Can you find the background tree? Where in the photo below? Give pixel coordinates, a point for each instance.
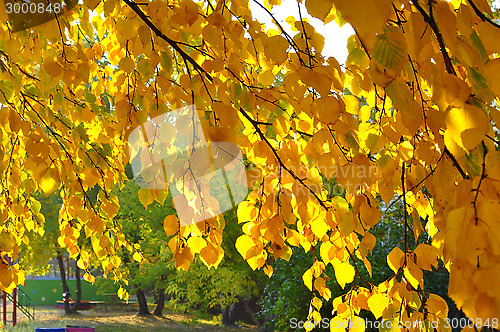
(198, 288)
(232, 282)
(143, 226)
(37, 251)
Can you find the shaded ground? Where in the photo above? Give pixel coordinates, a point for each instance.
(124, 319)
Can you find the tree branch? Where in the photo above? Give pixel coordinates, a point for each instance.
(432, 23)
(481, 15)
(294, 176)
(455, 163)
(173, 43)
(287, 36)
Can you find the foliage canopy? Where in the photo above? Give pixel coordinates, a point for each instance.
(412, 116)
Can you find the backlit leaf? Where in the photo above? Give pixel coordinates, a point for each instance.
(377, 303)
(345, 273)
(171, 225)
(394, 259)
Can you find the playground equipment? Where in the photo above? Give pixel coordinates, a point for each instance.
(84, 305)
(12, 304)
(68, 328)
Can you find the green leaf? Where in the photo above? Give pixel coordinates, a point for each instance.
(390, 49)
(358, 57)
(7, 89)
(89, 97)
(478, 44)
(473, 162)
(479, 83)
(166, 61)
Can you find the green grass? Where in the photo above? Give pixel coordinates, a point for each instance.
(124, 319)
(22, 327)
(25, 327)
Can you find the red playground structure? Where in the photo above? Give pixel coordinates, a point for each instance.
(13, 303)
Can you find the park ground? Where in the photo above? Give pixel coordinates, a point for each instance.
(125, 319)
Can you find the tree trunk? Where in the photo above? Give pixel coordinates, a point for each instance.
(143, 304)
(78, 299)
(228, 314)
(65, 287)
(160, 302)
(250, 312)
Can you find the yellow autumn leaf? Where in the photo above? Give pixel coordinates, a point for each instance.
(323, 290)
(395, 259)
(122, 293)
(146, 197)
(53, 67)
(137, 257)
(492, 71)
(196, 243)
(346, 222)
(402, 100)
(211, 256)
(268, 270)
(183, 258)
(492, 164)
(377, 303)
(351, 104)
(244, 244)
(167, 133)
(48, 184)
(92, 4)
(275, 49)
(127, 65)
(344, 272)
(357, 324)
(327, 252)
(317, 303)
(266, 77)
(456, 220)
(367, 17)
(189, 10)
(489, 36)
(319, 8)
(367, 244)
(282, 126)
(7, 242)
(6, 279)
(413, 274)
(319, 227)
(327, 109)
(316, 78)
(437, 305)
(171, 224)
(307, 277)
(467, 126)
(308, 325)
(88, 277)
(426, 256)
(246, 211)
(444, 12)
(338, 324)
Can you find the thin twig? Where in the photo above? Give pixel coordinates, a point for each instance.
(173, 43)
(481, 15)
(432, 23)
